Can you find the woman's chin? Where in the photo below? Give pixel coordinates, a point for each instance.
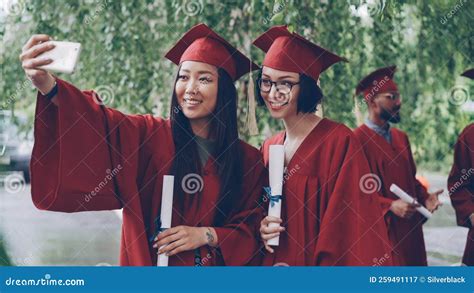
(277, 114)
(195, 115)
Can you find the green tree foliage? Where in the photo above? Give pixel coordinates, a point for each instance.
(124, 43)
(4, 259)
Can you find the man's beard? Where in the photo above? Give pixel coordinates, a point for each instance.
(393, 118)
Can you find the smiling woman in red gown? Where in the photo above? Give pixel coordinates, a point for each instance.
(327, 218)
(89, 157)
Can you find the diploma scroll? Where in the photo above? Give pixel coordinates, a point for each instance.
(166, 212)
(408, 199)
(276, 169)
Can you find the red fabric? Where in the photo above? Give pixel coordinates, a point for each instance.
(328, 219)
(380, 85)
(461, 187)
(80, 142)
(377, 82)
(288, 51)
(393, 163)
(210, 51)
(202, 44)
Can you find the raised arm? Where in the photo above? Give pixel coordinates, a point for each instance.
(85, 154)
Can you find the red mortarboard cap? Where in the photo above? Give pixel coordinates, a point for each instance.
(379, 81)
(291, 52)
(469, 73)
(202, 44)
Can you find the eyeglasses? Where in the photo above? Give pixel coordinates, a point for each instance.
(283, 87)
(392, 96)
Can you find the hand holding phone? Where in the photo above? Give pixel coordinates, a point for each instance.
(39, 55)
(64, 55)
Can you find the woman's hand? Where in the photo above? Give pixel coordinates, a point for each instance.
(183, 238)
(30, 62)
(267, 233)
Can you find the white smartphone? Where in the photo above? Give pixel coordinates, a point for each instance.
(64, 55)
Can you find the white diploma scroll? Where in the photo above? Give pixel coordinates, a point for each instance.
(275, 168)
(408, 199)
(166, 212)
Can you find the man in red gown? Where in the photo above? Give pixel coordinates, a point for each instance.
(391, 161)
(461, 184)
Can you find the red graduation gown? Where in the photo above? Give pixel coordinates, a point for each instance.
(393, 163)
(88, 157)
(461, 187)
(328, 220)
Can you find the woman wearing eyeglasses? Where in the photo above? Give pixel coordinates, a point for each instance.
(328, 217)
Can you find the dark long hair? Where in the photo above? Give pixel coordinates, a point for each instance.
(224, 130)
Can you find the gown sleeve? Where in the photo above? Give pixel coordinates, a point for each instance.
(79, 157)
(421, 191)
(461, 182)
(385, 202)
(238, 241)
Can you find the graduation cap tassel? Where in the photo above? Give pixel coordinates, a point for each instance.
(251, 116)
(320, 108)
(357, 113)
